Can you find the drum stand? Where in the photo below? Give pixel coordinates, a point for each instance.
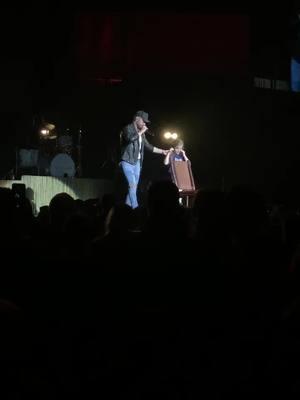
(16, 166)
(79, 167)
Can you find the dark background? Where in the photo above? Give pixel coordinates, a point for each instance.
(192, 70)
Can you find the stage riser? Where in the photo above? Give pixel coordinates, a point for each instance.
(41, 189)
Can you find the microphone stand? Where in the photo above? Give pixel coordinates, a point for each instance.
(79, 154)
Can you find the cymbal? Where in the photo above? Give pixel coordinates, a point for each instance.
(49, 126)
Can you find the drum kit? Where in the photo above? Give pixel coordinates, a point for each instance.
(62, 164)
(56, 155)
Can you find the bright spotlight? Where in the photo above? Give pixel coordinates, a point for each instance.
(168, 135)
(46, 130)
(174, 136)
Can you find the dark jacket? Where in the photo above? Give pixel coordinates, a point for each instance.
(130, 145)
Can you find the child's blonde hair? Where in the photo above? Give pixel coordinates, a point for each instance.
(178, 143)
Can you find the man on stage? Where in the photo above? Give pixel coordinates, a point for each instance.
(133, 142)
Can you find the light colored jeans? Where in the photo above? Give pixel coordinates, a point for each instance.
(295, 75)
(132, 174)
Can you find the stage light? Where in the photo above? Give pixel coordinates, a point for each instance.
(174, 136)
(47, 131)
(168, 135)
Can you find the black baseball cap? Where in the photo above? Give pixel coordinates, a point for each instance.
(143, 115)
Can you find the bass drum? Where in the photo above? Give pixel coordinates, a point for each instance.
(62, 166)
